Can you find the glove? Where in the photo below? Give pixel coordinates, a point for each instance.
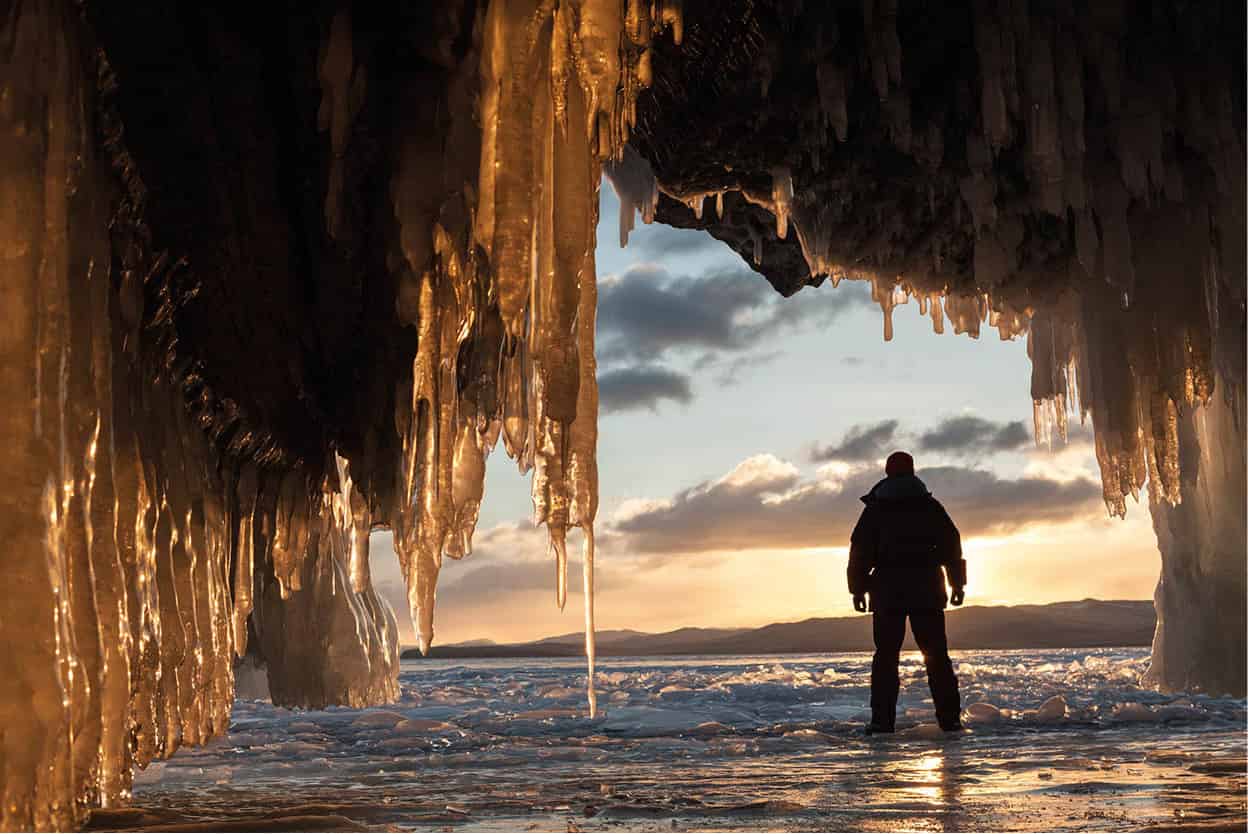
(860, 602)
(957, 597)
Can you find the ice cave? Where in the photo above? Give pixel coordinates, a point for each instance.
(273, 280)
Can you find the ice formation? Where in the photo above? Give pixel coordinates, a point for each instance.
(1082, 185)
(255, 311)
(153, 536)
(635, 185)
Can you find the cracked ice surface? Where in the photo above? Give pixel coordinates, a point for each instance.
(750, 742)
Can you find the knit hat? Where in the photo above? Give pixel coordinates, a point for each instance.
(899, 463)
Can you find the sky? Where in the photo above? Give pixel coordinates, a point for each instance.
(739, 429)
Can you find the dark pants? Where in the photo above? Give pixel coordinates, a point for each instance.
(928, 626)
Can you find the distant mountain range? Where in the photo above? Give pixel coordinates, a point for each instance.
(1059, 625)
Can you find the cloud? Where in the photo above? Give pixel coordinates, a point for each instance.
(481, 577)
(731, 374)
(969, 434)
(765, 504)
(647, 312)
(861, 444)
(658, 241)
(638, 387)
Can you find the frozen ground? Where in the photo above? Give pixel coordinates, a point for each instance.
(722, 743)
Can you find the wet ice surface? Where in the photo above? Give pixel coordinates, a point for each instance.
(725, 743)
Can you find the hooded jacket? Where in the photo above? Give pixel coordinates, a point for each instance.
(902, 542)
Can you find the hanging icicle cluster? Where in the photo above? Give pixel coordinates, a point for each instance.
(504, 297)
(153, 534)
(140, 553)
(1069, 178)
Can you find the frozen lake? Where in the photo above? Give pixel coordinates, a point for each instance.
(724, 743)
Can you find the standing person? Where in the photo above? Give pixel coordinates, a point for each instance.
(902, 542)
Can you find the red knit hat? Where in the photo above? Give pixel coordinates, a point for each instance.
(899, 463)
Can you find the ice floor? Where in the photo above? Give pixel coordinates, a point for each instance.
(725, 743)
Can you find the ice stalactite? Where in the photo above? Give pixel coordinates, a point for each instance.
(1162, 382)
(1051, 345)
(1200, 639)
(510, 293)
(325, 635)
(1086, 189)
(781, 199)
(139, 550)
(52, 454)
(635, 185)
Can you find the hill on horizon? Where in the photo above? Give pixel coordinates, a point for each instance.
(1088, 623)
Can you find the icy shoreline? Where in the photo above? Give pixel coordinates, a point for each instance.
(724, 743)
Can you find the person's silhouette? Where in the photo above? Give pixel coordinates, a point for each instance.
(903, 540)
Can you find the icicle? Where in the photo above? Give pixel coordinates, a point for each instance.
(582, 472)
(143, 585)
(671, 15)
(938, 315)
(696, 202)
(781, 199)
(635, 185)
(468, 485)
(587, 570)
(342, 94)
(887, 294)
(350, 511)
(244, 556)
(494, 68)
(512, 40)
(419, 546)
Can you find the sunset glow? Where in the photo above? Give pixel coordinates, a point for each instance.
(718, 514)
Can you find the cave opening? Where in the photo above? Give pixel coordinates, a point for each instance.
(274, 281)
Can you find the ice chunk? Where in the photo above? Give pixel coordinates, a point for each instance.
(1133, 712)
(983, 713)
(1053, 709)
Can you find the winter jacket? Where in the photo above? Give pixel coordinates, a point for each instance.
(903, 540)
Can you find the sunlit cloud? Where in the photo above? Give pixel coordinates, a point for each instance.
(1063, 463)
(765, 503)
(766, 542)
(511, 598)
